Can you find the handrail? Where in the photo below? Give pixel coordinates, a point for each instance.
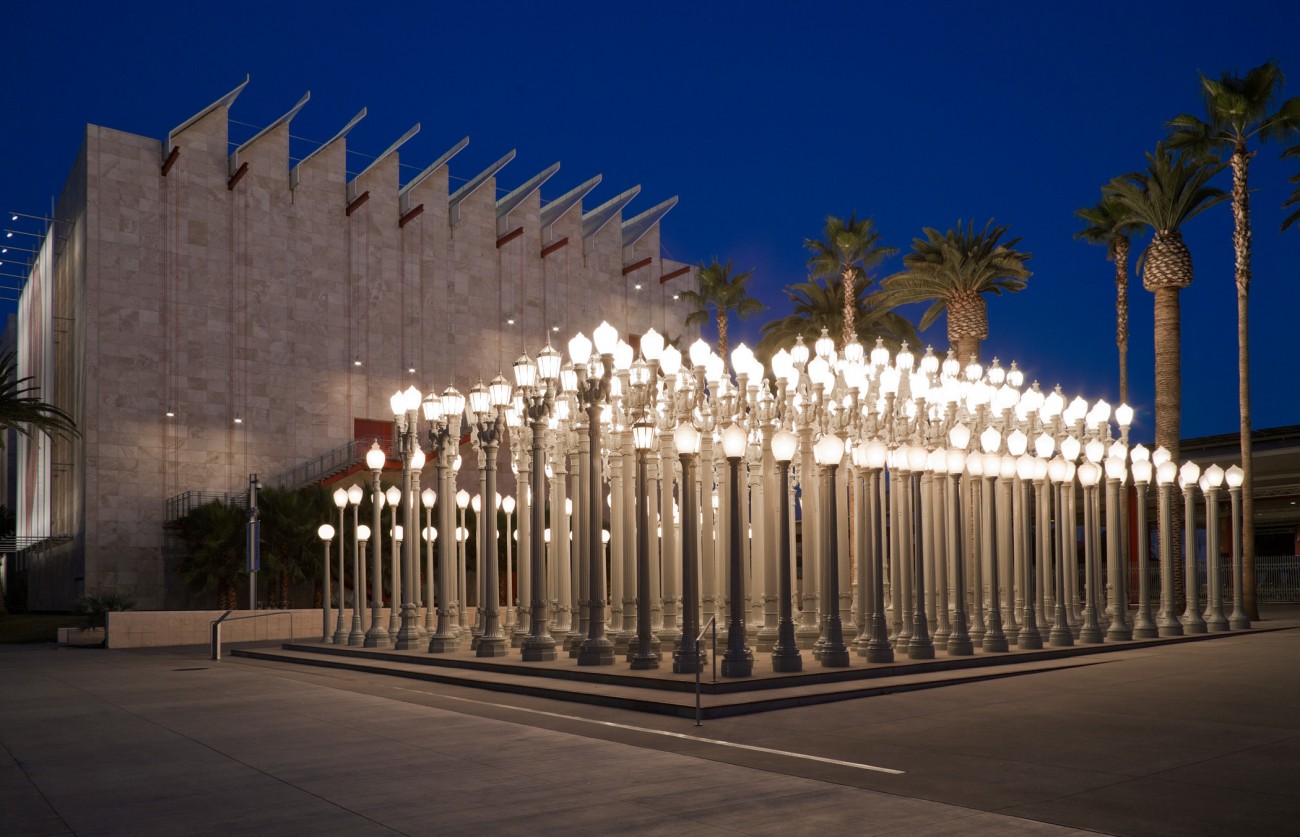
(216, 626)
(712, 624)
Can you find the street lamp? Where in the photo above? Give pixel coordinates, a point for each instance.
(1213, 477)
(1119, 629)
(491, 424)
(462, 583)
(738, 660)
(393, 497)
(1143, 626)
(1167, 622)
(340, 633)
(644, 657)
(444, 415)
(828, 452)
(1030, 638)
(785, 653)
(687, 658)
(326, 534)
(536, 382)
(1238, 621)
(378, 634)
(1089, 475)
(1193, 623)
(357, 635)
(593, 390)
(428, 497)
(508, 506)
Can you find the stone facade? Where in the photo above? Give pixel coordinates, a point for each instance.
(293, 304)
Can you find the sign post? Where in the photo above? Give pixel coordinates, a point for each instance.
(253, 544)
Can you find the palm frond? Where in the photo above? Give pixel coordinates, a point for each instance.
(22, 409)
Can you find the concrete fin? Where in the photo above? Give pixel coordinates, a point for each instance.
(224, 102)
(478, 180)
(288, 117)
(635, 228)
(595, 220)
(553, 211)
(518, 195)
(404, 193)
(294, 173)
(352, 186)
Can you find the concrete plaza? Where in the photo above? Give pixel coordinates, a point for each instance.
(1194, 738)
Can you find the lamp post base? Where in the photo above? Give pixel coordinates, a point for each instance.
(538, 649)
(644, 662)
(443, 644)
(787, 660)
(598, 651)
(491, 646)
(738, 664)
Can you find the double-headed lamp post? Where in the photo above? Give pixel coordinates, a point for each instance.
(687, 658)
(593, 390)
(378, 634)
(738, 660)
(489, 411)
(536, 382)
(444, 416)
(785, 653)
(1238, 621)
(828, 452)
(326, 534)
(644, 657)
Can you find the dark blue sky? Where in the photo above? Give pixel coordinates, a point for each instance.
(763, 117)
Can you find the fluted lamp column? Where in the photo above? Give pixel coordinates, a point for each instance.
(378, 633)
(536, 382)
(1193, 623)
(340, 633)
(644, 657)
(427, 499)
(326, 534)
(1144, 627)
(828, 452)
(785, 654)
(738, 660)
(1238, 621)
(596, 648)
(1058, 471)
(687, 658)
(393, 496)
(1167, 623)
(1089, 476)
(357, 636)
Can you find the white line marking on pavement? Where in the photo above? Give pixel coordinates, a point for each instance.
(681, 735)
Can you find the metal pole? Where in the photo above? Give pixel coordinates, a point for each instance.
(738, 661)
(785, 654)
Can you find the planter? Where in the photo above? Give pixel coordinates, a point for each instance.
(81, 638)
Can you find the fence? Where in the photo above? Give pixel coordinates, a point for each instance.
(1277, 579)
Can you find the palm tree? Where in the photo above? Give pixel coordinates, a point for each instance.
(22, 410)
(818, 304)
(719, 294)
(846, 251)
(1237, 109)
(289, 523)
(953, 271)
(1111, 224)
(1170, 191)
(214, 533)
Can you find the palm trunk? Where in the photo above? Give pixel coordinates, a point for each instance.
(850, 309)
(967, 348)
(1168, 382)
(1121, 313)
(1241, 244)
(722, 336)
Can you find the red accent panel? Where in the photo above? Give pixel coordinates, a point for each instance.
(678, 272)
(634, 266)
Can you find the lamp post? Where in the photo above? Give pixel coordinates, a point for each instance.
(536, 384)
(326, 534)
(393, 497)
(785, 653)
(644, 657)
(991, 469)
(489, 410)
(1089, 475)
(1238, 621)
(1216, 621)
(378, 634)
(462, 592)
(959, 638)
(593, 390)
(1193, 623)
(738, 661)
(1119, 629)
(1030, 638)
(357, 636)
(340, 633)
(687, 658)
(1167, 623)
(828, 452)
(508, 506)
(1143, 625)
(406, 588)
(444, 415)
(428, 497)
(1058, 471)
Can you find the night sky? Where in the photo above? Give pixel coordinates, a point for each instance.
(763, 117)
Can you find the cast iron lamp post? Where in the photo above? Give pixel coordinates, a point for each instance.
(377, 635)
(326, 534)
(340, 632)
(687, 658)
(536, 382)
(1193, 623)
(1167, 622)
(1238, 621)
(363, 539)
(785, 653)
(444, 416)
(1058, 471)
(406, 587)
(644, 657)
(357, 636)
(959, 640)
(393, 497)
(1215, 620)
(593, 391)
(1119, 629)
(1143, 626)
(738, 660)
(508, 506)
(489, 410)
(1089, 475)
(828, 452)
(427, 499)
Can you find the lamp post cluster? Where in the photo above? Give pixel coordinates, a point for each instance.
(849, 503)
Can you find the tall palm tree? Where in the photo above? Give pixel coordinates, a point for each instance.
(1170, 191)
(21, 408)
(1238, 109)
(720, 294)
(818, 304)
(1111, 224)
(847, 250)
(953, 271)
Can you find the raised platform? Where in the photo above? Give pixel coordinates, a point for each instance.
(662, 692)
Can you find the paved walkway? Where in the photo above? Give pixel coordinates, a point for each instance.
(1201, 738)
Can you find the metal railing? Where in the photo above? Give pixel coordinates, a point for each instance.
(216, 626)
(711, 625)
(186, 502)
